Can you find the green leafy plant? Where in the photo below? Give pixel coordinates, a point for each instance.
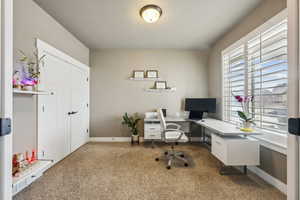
(131, 122)
(245, 118)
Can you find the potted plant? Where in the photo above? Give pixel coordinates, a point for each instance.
(31, 68)
(245, 115)
(132, 122)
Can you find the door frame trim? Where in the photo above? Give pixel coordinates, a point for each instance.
(293, 98)
(6, 96)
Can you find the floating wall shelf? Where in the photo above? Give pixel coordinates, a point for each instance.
(144, 79)
(161, 90)
(16, 91)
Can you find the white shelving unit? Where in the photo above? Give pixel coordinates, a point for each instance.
(29, 175)
(144, 79)
(17, 91)
(160, 90)
(35, 171)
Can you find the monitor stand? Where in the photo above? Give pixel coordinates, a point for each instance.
(196, 115)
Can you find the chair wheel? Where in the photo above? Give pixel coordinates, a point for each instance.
(166, 153)
(182, 156)
(168, 167)
(186, 165)
(156, 159)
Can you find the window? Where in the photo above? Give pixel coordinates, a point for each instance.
(258, 67)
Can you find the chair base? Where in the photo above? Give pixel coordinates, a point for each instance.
(172, 155)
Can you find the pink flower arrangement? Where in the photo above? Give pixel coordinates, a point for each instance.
(245, 114)
(245, 99)
(29, 82)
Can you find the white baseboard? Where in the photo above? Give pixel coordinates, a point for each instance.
(110, 139)
(126, 139)
(270, 179)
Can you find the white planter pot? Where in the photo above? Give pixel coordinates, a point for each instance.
(135, 138)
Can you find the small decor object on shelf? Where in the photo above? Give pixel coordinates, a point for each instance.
(245, 115)
(16, 164)
(161, 85)
(152, 74)
(21, 162)
(16, 80)
(132, 122)
(29, 84)
(140, 74)
(26, 77)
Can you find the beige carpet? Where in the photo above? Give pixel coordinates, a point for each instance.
(117, 171)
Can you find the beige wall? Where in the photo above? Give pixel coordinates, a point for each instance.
(112, 94)
(30, 22)
(261, 14)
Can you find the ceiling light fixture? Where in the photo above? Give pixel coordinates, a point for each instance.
(151, 13)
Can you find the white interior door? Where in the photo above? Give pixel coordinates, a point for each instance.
(63, 118)
(79, 130)
(6, 68)
(53, 120)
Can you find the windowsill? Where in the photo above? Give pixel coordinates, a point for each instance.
(274, 141)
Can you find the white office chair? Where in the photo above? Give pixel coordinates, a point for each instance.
(172, 136)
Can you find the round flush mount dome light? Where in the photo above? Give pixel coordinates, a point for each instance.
(151, 13)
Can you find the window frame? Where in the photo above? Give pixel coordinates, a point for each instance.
(283, 15)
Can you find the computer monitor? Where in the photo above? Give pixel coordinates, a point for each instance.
(197, 106)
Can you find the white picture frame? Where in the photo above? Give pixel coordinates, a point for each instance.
(161, 85)
(152, 74)
(138, 74)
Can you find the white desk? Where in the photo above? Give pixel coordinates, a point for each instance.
(231, 145)
(228, 143)
(224, 129)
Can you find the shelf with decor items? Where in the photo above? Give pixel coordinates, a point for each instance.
(154, 90)
(160, 87)
(142, 75)
(144, 79)
(30, 92)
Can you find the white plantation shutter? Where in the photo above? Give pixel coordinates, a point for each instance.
(234, 82)
(265, 77)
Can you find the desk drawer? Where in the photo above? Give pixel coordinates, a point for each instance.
(218, 148)
(152, 135)
(152, 128)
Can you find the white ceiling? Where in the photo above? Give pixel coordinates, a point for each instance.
(185, 24)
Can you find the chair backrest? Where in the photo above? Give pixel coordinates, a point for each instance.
(161, 117)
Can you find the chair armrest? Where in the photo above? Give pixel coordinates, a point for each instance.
(173, 124)
(175, 130)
